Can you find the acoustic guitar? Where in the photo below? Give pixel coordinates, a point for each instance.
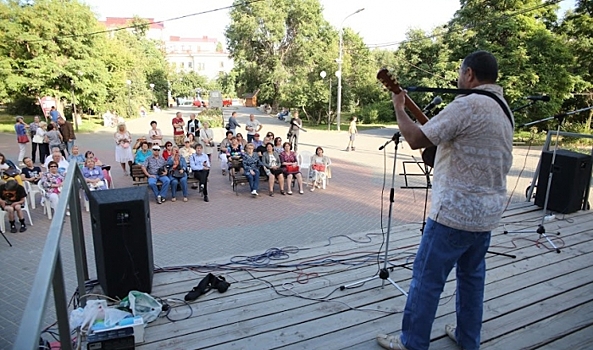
(390, 82)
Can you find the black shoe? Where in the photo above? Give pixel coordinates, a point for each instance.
(23, 228)
(206, 199)
(12, 229)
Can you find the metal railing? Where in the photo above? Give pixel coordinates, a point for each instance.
(51, 272)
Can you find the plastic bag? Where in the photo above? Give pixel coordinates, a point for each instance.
(96, 314)
(143, 304)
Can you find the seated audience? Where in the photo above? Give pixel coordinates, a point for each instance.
(291, 167)
(30, 172)
(319, 164)
(187, 150)
(93, 175)
(177, 169)
(251, 164)
(241, 140)
(76, 156)
(143, 153)
(224, 144)
(278, 145)
(12, 198)
(271, 161)
(104, 168)
(154, 168)
(9, 171)
(57, 157)
(167, 150)
(51, 181)
(235, 156)
(200, 166)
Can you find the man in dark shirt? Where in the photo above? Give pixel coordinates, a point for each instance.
(154, 169)
(30, 172)
(67, 132)
(12, 197)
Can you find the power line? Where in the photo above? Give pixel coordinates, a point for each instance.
(147, 23)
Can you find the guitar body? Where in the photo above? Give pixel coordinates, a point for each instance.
(390, 82)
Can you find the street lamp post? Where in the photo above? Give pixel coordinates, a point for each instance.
(151, 93)
(322, 74)
(129, 83)
(339, 72)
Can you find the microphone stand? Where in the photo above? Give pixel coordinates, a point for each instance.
(384, 272)
(541, 229)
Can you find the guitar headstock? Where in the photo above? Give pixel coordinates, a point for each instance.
(388, 80)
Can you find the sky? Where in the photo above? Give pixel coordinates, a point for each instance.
(382, 21)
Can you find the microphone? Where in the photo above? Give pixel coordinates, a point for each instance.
(543, 98)
(435, 102)
(395, 138)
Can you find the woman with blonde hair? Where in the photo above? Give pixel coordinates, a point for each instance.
(123, 148)
(39, 139)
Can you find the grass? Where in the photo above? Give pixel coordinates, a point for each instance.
(89, 124)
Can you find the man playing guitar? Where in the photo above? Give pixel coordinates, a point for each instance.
(474, 139)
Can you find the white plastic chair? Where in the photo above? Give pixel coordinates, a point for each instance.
(32, 190)
(304, 160)
(2, 223)
(25, 207)
(46, 204)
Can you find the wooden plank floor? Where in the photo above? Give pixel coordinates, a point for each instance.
(540, 299)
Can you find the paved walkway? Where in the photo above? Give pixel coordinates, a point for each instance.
(197, 232)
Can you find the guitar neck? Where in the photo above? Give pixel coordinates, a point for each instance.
(415, 110)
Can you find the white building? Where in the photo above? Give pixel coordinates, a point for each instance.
(203, 55)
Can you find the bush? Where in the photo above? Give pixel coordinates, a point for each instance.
(378, 112)
(213, 117)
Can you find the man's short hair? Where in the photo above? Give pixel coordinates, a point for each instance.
(11, 185)
(483, 64)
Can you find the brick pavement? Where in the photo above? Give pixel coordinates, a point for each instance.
(196, 232)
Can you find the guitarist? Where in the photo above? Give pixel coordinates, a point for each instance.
(474, 138)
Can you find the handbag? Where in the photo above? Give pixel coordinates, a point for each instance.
(125, 144)
(178, 174)
(318, 167)
(37, 138)
(11, 172)
(227, 126)
(22, 138)
(291, 168)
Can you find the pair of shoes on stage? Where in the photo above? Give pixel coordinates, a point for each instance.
(206, 284)
(394, 341)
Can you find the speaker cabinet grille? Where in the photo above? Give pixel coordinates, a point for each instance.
(122, 240)
(570, 180)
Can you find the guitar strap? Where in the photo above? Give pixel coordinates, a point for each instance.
(505, 109)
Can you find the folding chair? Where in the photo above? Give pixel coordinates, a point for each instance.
(32, 190)
(304, 160)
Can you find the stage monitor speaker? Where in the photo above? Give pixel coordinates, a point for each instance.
(570, 180)
(122, 238)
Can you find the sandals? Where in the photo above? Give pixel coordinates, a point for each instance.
(289, 193)
(271, 193)
(283, 193)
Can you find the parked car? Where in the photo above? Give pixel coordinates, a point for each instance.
(227, 102)
(197, 103)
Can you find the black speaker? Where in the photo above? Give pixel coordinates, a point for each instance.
(570, 180)
(122, 237)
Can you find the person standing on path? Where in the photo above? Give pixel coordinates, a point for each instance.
(253, 126)
(67, 131)
(233, 124)
(178, 135)
(352, 131)
(21, 137)
(474, 134)
(296, 124)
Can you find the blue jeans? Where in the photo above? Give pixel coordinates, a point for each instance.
(164, 188)
(69, 145)
(175, 181)
(441, 248)
(253, 179)
(250, 138)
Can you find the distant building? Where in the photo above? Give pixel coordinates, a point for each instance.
(203, 55)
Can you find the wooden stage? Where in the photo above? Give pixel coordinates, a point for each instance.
(540, 299)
